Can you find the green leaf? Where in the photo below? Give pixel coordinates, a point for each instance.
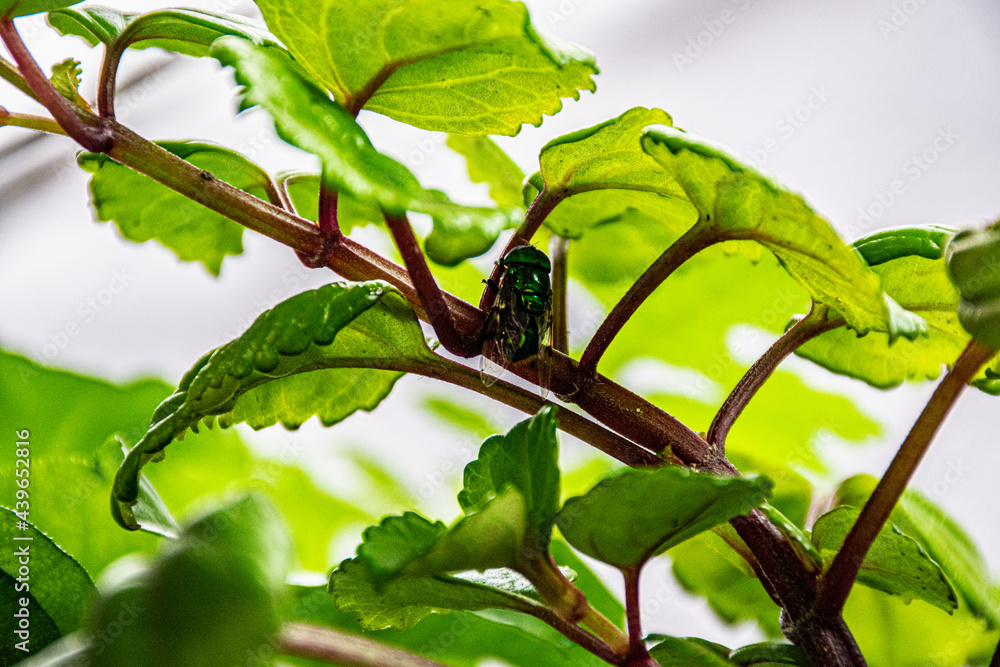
(973, 260)
(770, 653)
(910, 263)
(487, 163)
(628, 518)
(588, 583)
(303, 189)
(343, 332)
(459, 416)
(943, 540)
(391, 545)
(66, 79)
(187, 31)
(210, 598)
(41, 583)
(807, 553)
(468, 68)
(894, 564)
(524, 459)
(145, 210)
(735, 202)
(689, 652)
(399, 604)
(306, 117)
(14, 8)
(459, 639)
(579, 167)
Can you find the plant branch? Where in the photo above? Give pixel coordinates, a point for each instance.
(533, 219)
(328, 211)
(810, 326)
(435, 304)
(93, 138)
(558, 249)
(323, 644)
(10, 74)
(633, 612)
(40, 123)
(692, 242)
(844, 570)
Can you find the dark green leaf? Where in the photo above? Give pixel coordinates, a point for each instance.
(306, 117)
(894, 564)
(209, 599)
(488, 164)
(627, 519)
(391, 545)
(66, 79)
(770, 653)
(524, 459)
(943, 540)
(735, 202)
(343, 331)
(41, 584)
(468, 68)
(14, 8)
(187, 31)
(689, 652)
(145, 210)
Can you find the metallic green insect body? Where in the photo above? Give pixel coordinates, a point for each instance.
(519, 321)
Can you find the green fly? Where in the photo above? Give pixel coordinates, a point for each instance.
(518, 324)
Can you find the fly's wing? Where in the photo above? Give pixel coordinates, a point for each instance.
(492, 354)
(543, 361)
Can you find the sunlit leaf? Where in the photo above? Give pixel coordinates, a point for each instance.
(306, 117)
(735, 202)
(468, 68)
(13, 8)
(145, 210)
(488, 164)
(66, 79)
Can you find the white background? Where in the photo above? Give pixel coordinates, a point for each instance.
(845, 95)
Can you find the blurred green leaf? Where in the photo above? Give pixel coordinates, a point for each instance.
(306, 117)
(770, 653)
(211, 597)
(628, 518)
(732, 594)
(303, 189)
(891, 633)
(14, 8)
(42, 584)
(943, 540)
(187, 31)
(341, 332)
(460, 416)
(468, 68)
(487, 163)
(894, 564)
(145, 210)
(737, 203)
